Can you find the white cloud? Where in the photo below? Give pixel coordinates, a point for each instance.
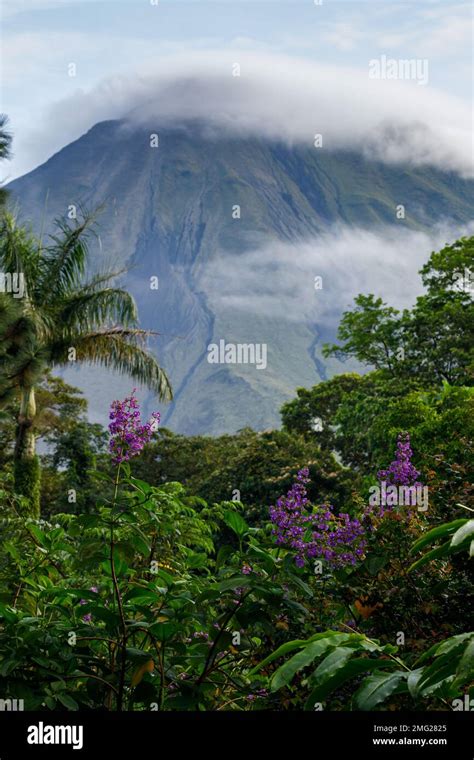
(278, 97)
(343, 35)
(278, 279)
(14, 7)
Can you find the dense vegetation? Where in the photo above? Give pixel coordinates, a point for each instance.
(325, 565)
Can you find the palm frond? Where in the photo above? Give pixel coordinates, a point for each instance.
(102, 278)
(63, 263)
(5, 137)
(121, 349)
(88, 309)
(19, 252)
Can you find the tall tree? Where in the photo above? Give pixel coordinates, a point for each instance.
(433, 341)
(5, 147)
(54, 312)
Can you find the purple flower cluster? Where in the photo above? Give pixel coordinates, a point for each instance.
(128, 435)
(259, 694)
(401, 472)
(315, 532)
(87, 618)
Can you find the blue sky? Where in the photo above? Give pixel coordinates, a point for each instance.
(109, 40)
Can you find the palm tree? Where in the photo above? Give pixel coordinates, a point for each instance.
(5, 144)
(61, 314)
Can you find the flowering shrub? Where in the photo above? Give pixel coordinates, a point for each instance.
(399, 484)
(401, 471)
(315, 532)
(128, 434)
(131, 606)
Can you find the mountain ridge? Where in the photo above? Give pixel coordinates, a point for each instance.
(169, 214)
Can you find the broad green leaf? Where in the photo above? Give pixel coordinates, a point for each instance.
(354, 667)
(237, 523)
(440, 551)
(302, 659)
(40, 537)
(303, 586)
(290, 646)
(266, 559)
(465, 669)
(141, 485)
(337, 636)
(463, 533)
(163, 631)
(8, 613)
(334, 660)
(196, 560)
(375, 564)
(223, 555)
(8, 666)
(377, 688)
(440, 672)
(412, 681)
(239, 581)
(441, 530)
(444, 647)
(449, 644)
(68, 701)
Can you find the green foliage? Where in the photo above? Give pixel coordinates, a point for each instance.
(321, 402)
(362, 417)
(433, 341)
(131, 607)
(345, 657)
(77, 452)
(62, 308)
(248, 466)
(372, 334)
(128, 607)
(141, 596)
(27, 473)
(451, 538)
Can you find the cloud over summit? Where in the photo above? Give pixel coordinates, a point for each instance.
(282, 98)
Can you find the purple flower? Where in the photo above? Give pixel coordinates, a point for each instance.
(200, 635)
(128, 434)
(315, 532)
(400, 472)
(246, 569)
(259, 694)
(87, 618)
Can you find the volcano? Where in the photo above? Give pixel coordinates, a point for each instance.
(199, 219)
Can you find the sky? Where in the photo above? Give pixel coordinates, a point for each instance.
(66, 64)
